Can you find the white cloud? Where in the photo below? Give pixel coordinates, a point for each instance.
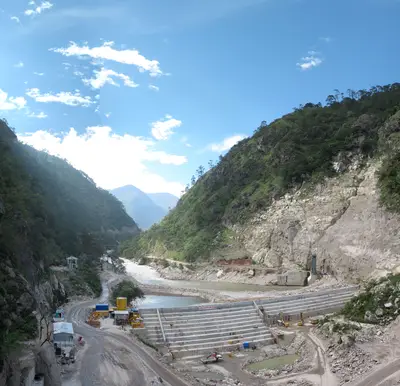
(16, 19)
(326, 39)
(39, 73)
(67, 98)
(11, 103)
(112, 160)
(155, 88)
(312, 60)
(41, 115)
(107, 115)
(184, 140)
(227, 143)
(38, 9)
(107, 52)
(104, 76)
(19, 64)
(164, 128)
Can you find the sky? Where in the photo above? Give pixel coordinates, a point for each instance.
(143, 92)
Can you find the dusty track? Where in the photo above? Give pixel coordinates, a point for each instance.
(111, 358)
(379, 375)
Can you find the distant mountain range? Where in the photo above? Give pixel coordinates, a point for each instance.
(145, 208)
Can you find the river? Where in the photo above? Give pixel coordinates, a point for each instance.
(148, 275)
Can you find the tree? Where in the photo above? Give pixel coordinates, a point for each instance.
(193, 180)
(211, 164)
(338, 95)
(126, 289)
(200, 171)
(352, 94)
(330, 100)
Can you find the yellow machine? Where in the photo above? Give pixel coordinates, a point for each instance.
(284, 323)
(135, 320)
(122, 304)
(301, 321)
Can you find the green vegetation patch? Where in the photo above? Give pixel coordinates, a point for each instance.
(48, 211)
(378, 303)
(126, 289)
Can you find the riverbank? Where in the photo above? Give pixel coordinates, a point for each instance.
(254, 274)
(151, 281)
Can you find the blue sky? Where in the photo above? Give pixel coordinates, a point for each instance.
(143, 92)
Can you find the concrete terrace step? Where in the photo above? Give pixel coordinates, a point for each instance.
(226, 311)
(223, 342)
(303, 308)
(312, 295)
(185, 340)
(342, 299)
(217, 318)
(210, 310)
(185, 352)
(209, 323)
(208, 332)
(226, 330)
(200, 315)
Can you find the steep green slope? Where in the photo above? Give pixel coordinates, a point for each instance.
(280, 156)
(48, 210)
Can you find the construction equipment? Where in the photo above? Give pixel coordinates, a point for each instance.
(122, 304)
(282, 322)
(214, 357)
(301, 321)
(134, 318)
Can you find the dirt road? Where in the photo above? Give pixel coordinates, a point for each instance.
(378, 376)
(110, 358)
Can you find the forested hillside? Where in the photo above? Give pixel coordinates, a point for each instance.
(297, 150)
(48, 210)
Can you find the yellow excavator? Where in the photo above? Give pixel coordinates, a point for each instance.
(301, 321)
(282, 322)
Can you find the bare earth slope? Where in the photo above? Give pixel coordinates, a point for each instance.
(341, 220)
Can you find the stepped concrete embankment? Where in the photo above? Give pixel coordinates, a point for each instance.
(195, 330)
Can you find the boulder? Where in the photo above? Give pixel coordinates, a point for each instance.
(379, 312)
(220, 273)
(370, 317)
(47, 365)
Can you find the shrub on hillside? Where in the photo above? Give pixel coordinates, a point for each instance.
(126, 289)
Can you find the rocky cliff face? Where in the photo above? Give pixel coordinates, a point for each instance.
(28, 307)
(341, 220)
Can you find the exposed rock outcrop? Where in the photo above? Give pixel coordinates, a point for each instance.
(341, 220)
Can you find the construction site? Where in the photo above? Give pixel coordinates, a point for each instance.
(245, 341)
(121, 314)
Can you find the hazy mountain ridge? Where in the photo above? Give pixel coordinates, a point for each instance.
(145, 208)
